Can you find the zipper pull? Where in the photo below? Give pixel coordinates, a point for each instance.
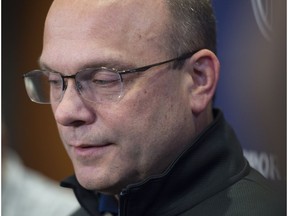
(122, 202)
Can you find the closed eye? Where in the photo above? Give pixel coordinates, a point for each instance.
(104, 82)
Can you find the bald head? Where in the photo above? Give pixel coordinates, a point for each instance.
(72, 26)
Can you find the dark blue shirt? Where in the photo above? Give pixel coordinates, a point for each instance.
(108, 203)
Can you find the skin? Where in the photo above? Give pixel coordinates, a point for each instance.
(161, 111)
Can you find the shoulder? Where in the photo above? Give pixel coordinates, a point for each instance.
(250, 196)
(253, 195)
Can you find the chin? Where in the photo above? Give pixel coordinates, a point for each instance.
(94, 181)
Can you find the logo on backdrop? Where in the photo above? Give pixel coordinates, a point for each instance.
(265, 163)
(263, 12)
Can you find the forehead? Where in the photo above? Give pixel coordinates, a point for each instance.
(126, 25)
(92, 11)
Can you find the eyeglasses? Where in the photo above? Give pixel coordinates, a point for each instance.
(101, 85)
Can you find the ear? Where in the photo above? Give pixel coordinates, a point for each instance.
(204, 68)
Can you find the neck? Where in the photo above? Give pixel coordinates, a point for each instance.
(203, 119)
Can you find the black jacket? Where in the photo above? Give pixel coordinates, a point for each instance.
(211, 177)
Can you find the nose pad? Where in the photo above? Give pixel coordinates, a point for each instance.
(65, 85)
(79, 86)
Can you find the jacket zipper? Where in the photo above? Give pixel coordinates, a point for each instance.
(122, 202)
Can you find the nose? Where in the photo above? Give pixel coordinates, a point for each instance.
(72, 110)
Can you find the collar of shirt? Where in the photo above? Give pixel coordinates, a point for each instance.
(108, 204)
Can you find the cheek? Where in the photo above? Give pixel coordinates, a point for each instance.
(154, 102)
(148, 122)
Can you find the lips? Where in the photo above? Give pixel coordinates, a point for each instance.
(90, 151)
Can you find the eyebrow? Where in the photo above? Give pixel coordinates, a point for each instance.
(109, 63)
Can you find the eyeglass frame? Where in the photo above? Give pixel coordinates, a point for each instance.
(119, 72)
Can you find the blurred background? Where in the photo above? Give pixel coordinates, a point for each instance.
(30, 127)
(252, 88)
(251, 92)
(32, 170)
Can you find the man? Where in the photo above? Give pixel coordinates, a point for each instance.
(131, 84)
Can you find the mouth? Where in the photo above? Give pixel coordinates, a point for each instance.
(90, 151)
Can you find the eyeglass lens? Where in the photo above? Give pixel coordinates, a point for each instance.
(97, 85)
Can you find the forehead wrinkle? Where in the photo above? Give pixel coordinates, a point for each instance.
(127, 31)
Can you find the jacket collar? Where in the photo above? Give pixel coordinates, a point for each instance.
(212, 162)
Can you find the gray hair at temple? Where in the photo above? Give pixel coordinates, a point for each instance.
(192, 26)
